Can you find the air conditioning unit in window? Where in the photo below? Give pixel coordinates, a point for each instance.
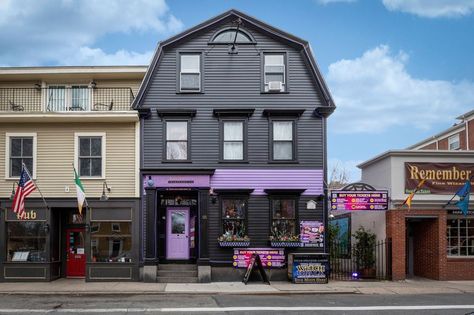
(275, 86)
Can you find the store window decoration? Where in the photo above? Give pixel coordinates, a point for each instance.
(234, 212)
(283, 227)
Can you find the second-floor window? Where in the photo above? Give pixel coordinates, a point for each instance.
(21, 151)
(176, 140)
(453, 142)
(274, 73)
(283, 143)
(233, 141)
(68, 98)
(90, 156)
(190, 73)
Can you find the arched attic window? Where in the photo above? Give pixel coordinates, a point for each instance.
(227, 36)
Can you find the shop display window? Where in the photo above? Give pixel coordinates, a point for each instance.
(460, 237)
(26, 241)
(111, 241)
(234, 211)
(283, 217)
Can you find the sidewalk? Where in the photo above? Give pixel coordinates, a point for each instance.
(80, 287)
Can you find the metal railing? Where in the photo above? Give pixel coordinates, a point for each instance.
(65, 99)
(344, 265)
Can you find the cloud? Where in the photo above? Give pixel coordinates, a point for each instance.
(324, 2)
(432, 8)
(51, 31)
(96, 56)
(375, 93)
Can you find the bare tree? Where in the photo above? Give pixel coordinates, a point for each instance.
(339, 177)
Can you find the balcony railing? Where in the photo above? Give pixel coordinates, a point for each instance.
(65, 99)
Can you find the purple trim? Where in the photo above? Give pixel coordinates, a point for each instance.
(176, 181)
(259, 180)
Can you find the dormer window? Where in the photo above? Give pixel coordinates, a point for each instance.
(227, 36)
(274, 72)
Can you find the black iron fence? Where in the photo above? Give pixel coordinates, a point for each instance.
(345, 264)
(64, 99)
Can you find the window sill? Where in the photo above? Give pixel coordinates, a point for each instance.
(460, 258)
(92, 177)
(176, 161)
(283, 162)
(233, 162)
(189, 92)
(284, 92)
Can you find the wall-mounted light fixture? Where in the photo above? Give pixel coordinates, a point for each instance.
(213, 196)
(37, 87)
(104, 196)
(46, 228)
(12, 195)
(93, 84)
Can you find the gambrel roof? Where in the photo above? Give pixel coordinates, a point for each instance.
(264, 27)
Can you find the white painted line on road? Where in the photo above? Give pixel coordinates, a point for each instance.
(240, 309)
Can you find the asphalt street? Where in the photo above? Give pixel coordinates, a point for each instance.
(238, 304)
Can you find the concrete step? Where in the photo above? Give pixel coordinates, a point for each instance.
(177, 273)
(178, 267)
(177, 280)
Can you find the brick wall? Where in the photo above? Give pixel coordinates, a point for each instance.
(426, 249)
(431, 146)
(459, 269)
(471, 134)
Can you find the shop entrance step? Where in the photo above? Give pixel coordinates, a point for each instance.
(177, 273)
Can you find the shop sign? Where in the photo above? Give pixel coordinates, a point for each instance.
(309, 269)
(312, 234)
(359, 200)
(176, 181)
(270, 257)
(30, 215)
(441, 178)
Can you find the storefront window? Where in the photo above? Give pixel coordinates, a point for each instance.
(460, 237)
(26, 241)
(111, 241)
(233, 216)
(283, 217)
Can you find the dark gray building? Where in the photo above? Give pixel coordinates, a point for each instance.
(233, 127)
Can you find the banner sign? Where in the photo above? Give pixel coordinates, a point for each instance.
(312, 234)
(359, 200)
(271, 257)
(441, 178)
(309, 269)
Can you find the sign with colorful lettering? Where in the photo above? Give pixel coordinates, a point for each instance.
(271, 257)
(359, 200)
(309, 269)
(441, 178)
(312, 234)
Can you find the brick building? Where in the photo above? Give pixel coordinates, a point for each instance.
(458, 137)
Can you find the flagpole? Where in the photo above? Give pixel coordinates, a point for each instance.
(34, 182)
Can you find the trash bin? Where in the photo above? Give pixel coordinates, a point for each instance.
(308, 267)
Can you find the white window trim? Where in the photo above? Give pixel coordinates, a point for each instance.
(9, 135)
(76, 152)
(189, 72)
(453, 139)
(275, 65)
(68, 96)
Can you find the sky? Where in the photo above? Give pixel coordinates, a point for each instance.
(398, 70)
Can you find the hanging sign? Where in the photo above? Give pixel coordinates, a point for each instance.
(359, 200)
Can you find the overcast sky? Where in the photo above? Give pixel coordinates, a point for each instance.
(399, 70)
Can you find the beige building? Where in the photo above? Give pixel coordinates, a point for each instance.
(52, 118)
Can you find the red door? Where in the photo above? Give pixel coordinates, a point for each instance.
(76, 255)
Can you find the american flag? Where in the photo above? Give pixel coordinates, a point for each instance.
(25, 187)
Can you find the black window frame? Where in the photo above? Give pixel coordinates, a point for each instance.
(178, 72)
(234, 196)
(244, 122)
(21, 156)
(295, 198)
(226, 29)
(294, 141)
(165, 141)
(90, 157)
(286, 84)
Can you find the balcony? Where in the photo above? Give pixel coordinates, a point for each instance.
(62, 99)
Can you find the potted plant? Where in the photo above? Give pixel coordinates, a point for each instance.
(364, 253)
(284, 239)
(234, 238)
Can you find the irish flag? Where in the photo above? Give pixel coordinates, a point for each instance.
(81, 195)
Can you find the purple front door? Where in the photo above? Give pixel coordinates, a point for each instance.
(177, 233)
